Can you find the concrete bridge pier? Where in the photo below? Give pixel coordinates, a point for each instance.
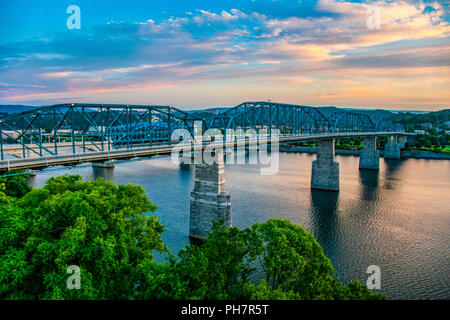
(410, 140)
(209, 201)
(187, 161)
(369, 157)
(325, 171)
(107, 164)
(402, 140)
(392, 148)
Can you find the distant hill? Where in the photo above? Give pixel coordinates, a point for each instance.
(14, 108)
(414, 121)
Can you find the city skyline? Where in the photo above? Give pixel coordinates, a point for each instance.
(202, 54)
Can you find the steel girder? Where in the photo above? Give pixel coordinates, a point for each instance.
(348, 121)
(101, 127)
(91, 126)
(297, 119)
(289, 119)
(385, 125)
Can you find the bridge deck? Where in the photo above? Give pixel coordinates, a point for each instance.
(94, 157)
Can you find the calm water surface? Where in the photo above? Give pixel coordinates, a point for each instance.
(397, 218)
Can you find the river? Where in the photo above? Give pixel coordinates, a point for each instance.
(397, 218)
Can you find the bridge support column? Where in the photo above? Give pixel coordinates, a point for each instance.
(209, 201)
(107, 164)
(392, 148)
(402, 140)
(410, 140)
(369, 157)
(325, 171)
(186, 161)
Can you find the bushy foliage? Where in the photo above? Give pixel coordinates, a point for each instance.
(16, 185)
(221, 268)
(95, 225)
(104, 229)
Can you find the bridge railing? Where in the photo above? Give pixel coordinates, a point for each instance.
(110, 154)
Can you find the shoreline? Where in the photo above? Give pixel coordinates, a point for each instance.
(404, 154)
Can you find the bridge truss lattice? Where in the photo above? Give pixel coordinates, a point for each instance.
(80, 128)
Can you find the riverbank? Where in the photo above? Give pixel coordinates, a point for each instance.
(416, 154)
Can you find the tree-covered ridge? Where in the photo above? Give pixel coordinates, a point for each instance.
(106, 231)
(413, 121)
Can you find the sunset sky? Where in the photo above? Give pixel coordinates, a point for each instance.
(197, 53)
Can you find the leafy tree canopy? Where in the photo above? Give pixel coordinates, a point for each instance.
(95, 225)
(227, 264)
(103, 229)
(16, 185)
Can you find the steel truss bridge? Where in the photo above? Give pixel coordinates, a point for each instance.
(69, 134)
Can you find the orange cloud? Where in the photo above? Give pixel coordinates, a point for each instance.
(90, 91)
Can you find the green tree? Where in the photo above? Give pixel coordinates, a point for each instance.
(297, 268)
(215, 270)
(292, 260)
(16, 185)
(356, 291)
(103, 229)
(100, 227)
